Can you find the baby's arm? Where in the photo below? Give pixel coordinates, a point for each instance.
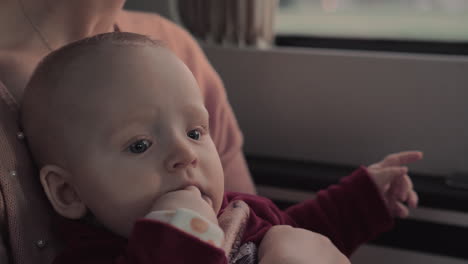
(168, 234)
(157, 242)
(285, 244)
(362, 206)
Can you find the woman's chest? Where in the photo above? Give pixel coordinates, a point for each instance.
(15, 70)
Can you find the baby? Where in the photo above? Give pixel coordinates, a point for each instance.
(117, 125)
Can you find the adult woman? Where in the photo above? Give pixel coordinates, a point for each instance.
(29, 30)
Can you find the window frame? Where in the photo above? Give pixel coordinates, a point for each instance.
(361, 44)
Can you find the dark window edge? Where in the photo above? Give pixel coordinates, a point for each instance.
(313, 176)
(388, 45)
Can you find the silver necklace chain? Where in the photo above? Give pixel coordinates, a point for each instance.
(35, 28)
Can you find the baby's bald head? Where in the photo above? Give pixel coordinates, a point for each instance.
(116, 121)
(58, 101)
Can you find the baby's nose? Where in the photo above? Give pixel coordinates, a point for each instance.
(182, 163)
(182, 156)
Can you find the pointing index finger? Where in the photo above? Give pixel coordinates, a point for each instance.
(401, 158)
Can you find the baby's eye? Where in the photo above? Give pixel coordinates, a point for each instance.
(140, 146)
(194, 134)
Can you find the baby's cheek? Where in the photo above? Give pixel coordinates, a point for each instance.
(119, 215)
(216, 180)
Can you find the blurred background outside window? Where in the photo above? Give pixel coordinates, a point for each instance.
(421, 20)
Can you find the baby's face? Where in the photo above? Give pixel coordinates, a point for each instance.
(141, 133)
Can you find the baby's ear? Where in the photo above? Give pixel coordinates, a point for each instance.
(61, 193)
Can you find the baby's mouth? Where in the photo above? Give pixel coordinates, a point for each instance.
(205, 197)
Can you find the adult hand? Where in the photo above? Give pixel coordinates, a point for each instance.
(396, 187)
(287, 245)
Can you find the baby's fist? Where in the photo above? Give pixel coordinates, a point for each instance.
(188, 198)
(391, 177)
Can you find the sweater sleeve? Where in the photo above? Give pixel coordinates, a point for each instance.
(349, 213)
(150, 242)
(156, 242)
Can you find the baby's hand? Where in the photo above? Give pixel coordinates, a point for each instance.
(394, 183)
(189, 198)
